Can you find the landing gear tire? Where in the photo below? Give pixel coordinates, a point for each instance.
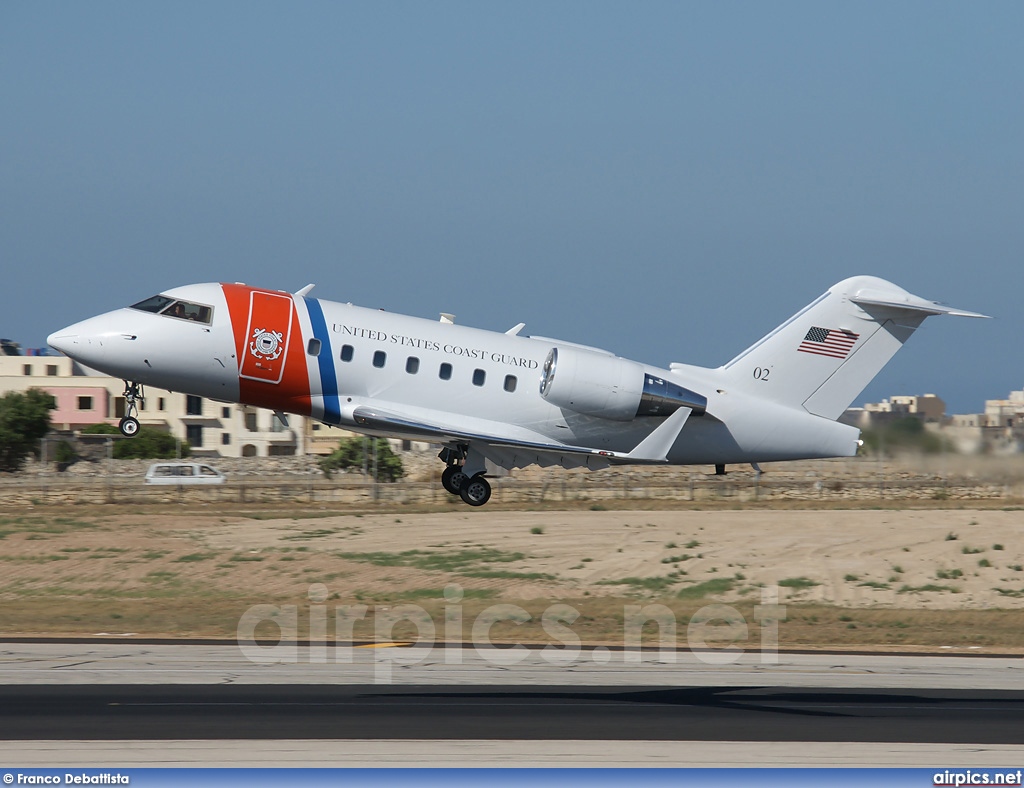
(475, 491)
(133, 395)
(452, 479)
(129, 426)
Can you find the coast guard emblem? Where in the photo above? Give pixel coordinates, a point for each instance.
(266, 344)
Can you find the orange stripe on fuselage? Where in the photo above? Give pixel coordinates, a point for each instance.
(266, 381)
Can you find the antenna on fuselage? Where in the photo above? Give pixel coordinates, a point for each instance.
(306, 290)
(447, 317)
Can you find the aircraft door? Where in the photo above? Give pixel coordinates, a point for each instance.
(266, 337)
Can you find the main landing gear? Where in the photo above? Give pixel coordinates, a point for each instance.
(458, 478)
(453, 478)
(475, 490)
(133, 395)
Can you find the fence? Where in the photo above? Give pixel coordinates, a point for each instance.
(560, 488)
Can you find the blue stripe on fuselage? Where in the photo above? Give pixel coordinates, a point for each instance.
(328, 379)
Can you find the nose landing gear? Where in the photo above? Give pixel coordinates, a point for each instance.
(133, 394)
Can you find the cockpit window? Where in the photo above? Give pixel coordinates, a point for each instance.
(183, 310)
(153, 304)
(188, 311)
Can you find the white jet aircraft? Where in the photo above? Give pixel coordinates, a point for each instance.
(511, 399)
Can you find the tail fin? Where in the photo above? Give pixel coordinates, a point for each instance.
(827, 353)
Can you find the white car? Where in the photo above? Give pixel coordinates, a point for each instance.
(183, 473)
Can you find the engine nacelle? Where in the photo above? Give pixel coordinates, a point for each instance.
(600, 384)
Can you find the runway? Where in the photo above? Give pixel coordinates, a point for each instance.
(199, 705)
(818, 714)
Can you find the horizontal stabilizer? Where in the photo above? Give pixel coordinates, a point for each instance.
(908, 303)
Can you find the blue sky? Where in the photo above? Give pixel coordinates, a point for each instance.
(666, 180)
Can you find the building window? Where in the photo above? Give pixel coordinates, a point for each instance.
(412, 365)
(479, 376)
(277, 423)
(250, 422)
(346, 352)
(26, 369)
(193, 406)
(445, 372)
(51, 370)
(225, 439)
(248, 450)
(313, 346)
(161, 404)
(85, 403)
(510, 383)
(225, 413)
(379, 358)
(194, 434)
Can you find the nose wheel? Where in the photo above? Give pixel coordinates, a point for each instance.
(133, 395)
(129, 426)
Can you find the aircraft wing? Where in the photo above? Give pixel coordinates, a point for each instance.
(521, 447)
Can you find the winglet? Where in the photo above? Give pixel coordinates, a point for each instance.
(305, 291)
(656, 446)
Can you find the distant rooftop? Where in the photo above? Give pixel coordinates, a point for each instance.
(10, 348)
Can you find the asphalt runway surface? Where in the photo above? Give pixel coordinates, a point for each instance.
(482, 712)
(114, 702)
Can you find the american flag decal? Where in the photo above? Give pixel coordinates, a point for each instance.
(828, 342)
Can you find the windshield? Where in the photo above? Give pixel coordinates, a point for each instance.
(169, 307)
(153, 304)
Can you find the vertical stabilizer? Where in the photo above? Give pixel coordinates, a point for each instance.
(826, 354)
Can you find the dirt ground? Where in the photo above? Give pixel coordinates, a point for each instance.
(925, 577)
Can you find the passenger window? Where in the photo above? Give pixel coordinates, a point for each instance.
(379, 358)
(412, 365)
(510, 383)
(313, 347)
(479, 376)
(445, 372)
(346, 352)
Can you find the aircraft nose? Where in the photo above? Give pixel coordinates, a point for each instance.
(62, 340)
(82, 341)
